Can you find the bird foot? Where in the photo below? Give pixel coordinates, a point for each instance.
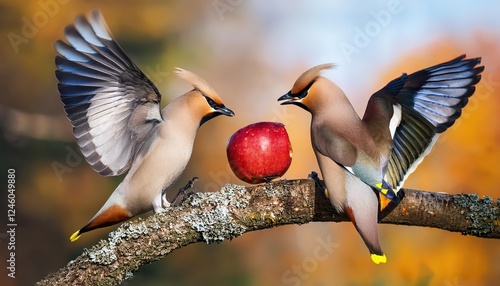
(185, 192)
(160, 203)
(317, 183)
(269, 179)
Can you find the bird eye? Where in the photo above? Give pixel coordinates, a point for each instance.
(210, 101)
(304, 92)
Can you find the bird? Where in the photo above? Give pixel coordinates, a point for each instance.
(365, 161)
(115, 113)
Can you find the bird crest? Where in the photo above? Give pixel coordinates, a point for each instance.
(308, 77)
(198, 83)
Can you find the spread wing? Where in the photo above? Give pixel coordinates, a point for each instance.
(422, 105)
(111, 104)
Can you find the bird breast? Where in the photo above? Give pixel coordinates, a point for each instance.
(160, 167)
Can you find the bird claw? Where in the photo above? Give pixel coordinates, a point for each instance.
(317, 183)
(161, 203)
(269, 179)
(185, 192)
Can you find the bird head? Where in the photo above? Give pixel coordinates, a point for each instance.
(303, 92)
(208, 101)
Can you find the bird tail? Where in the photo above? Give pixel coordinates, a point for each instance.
(369, 234)
(362, 210)
(377, 258)
(110, 216)
(75, 236)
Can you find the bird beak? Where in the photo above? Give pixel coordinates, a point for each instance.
(288, 97)
(217, 110)
(224, 111)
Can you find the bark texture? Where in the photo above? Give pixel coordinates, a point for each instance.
(235, 210)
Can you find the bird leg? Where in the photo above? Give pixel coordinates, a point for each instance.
(317, 182)
(185, 191)
(269, 179)
(160, 203)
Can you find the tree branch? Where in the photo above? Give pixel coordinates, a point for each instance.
(235, 210)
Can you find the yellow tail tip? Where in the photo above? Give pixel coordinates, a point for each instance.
(75, 236)
(377, 259)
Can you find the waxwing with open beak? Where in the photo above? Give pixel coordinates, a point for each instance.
(364, 162)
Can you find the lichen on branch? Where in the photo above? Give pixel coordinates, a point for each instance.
(235, 210)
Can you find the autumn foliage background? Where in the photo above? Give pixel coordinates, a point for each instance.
(251, 52)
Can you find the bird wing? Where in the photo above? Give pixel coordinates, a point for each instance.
(111, 104)
(425, 104)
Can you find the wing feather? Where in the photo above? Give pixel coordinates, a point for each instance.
(431, 100)
(107, 98)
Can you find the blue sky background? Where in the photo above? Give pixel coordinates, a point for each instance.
(314, 32)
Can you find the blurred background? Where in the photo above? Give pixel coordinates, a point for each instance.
(251, 52)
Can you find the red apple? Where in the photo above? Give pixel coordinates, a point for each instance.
(260, 152)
